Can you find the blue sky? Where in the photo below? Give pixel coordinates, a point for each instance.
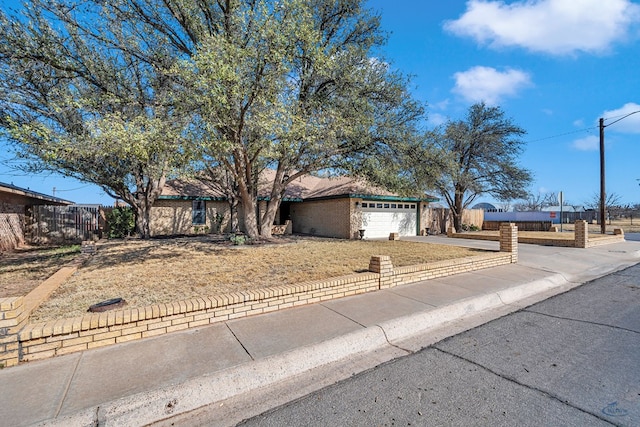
(554, 66)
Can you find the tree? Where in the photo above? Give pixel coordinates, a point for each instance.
(611, 200)
(77, 98)
(537, 201)
(291, 86)
(288, 85)
(480, 154)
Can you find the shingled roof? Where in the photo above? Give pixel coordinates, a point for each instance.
(307, 187)
(30, 196)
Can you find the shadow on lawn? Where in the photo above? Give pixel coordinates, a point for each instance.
(127, 252)
(34, 260)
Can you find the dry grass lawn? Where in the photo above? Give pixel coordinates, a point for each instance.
(23, 270)
(628, 225)
(156, 271)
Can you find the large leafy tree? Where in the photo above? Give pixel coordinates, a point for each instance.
(77, 97)
(482, 152)
(287, 85)
(460, 161)
(292, 86)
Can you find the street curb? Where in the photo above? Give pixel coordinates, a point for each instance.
(157, 405)
(404, 328)
(148, 407)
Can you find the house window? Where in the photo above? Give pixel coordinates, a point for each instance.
(364, 205)
(198, 214)
(393, 205)
(379, 205)
(413, 206)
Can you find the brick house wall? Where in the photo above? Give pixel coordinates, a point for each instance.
(12, 204)
(170, 217)
(329, 217)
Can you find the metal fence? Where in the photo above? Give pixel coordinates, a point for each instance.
(63, 223)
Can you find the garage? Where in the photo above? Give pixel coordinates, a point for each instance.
(381, 218)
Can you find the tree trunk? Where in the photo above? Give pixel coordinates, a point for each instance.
(269, 218)
(147, 191)
(278, 186)
(457, 212)
(142, 221)
(249, 208)
(233, 211)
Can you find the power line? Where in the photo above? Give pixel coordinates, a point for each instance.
(74, 189)
(617, 117)
(563, 134)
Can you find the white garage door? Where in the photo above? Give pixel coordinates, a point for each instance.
(381, 218)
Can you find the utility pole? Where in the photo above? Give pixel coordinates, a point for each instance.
(603, 227)
(602, 192)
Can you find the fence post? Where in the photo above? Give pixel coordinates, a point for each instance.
(581, 234)
(382, 265)
(509, 239)
(12, 318)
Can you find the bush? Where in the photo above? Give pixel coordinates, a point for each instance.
(120, 222)
(238, 239)
(469, 227)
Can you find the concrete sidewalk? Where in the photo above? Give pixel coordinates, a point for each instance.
(150, 380)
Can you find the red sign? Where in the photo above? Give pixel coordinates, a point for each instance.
(552, 214)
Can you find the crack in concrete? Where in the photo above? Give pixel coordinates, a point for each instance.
(527, 386)
(239, 342)
(588, 322)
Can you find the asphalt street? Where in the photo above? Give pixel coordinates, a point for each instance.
(571, 360)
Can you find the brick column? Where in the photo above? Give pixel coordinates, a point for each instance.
(582, 234)
(12, 318)
(382, 265)
(509, 239)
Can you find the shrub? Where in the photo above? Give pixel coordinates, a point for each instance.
(469, 227)
(238, 239)
(120, 222)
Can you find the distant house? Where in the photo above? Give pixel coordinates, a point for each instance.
(569, 213)
(549, 215)
(15, 204)
(487, 207)
(331, 207)
(14, 199)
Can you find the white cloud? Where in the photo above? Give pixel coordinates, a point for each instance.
(488, 84)
(557, 27)
(436, 119)
(630, 124)
(442, 105)
(579, 123)
(588, 143)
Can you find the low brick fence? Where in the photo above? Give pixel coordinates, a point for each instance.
(581, 239)
(21, 341)
(522, 225)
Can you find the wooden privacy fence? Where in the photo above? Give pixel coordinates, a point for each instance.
(64, 223)
(438, 220)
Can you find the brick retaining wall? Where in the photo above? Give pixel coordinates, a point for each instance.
(22, 341)
(581, 239)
